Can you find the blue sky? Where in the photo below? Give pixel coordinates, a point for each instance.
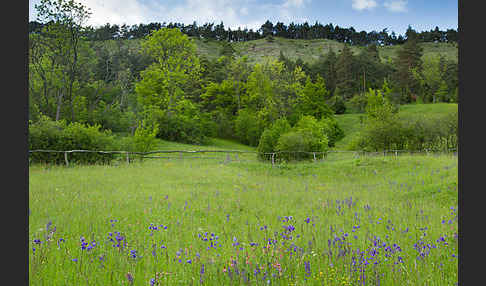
(368, 15)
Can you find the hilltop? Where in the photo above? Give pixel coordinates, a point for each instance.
(309, 50)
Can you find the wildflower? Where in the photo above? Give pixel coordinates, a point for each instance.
(37, 241)
(130, 278)
(189, 261)
(152, 282)
(307, 220)
(133, 253)
(307, 268)
(74, 259)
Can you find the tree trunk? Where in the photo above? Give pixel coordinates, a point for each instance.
(59, 102)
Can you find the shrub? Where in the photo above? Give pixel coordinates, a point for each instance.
(357, 104)
(184, 124)
(248, 127)
(144, 139)
(269, 139)
(57, 135)
(308, 135)
(332, 130)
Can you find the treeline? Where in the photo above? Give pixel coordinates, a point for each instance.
(291, 31)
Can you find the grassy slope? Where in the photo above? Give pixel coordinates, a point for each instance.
(351, 125)
(309, 50)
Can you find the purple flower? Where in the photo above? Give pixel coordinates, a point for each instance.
(75, 259)
(133, 253)
(307, 220)
(189, 261)
(307, 268)
(130, 277)
(152, 282)
(37, 241)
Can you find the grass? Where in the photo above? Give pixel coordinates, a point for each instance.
(310, 50)
(351, 123)
(328, 215)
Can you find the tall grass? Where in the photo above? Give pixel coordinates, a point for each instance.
(366, 221)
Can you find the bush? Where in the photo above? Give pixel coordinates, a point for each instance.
(144, 139)
(332, 130)
(308, 135)
(269, 139)
(337, 104)
(47, 134)
(357, 104)
(415, 134)
(184, 124)
(248, 127)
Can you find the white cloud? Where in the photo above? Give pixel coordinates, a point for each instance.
(293, 3)
(363, 4)
(396, 6)
(115, 12)
(250, 14)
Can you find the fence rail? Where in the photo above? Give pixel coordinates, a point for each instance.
(271, 155)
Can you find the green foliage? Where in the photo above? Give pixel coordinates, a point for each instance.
(332, 130)
(144, 139)
(308, 135)
(183, 124)
(249, 126)
(336, 102)
(417, 132)
(47, 134)
(312, 100)
(378, 107)
(269, 139)
(357, 104)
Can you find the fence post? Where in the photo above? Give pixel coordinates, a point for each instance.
(314, 156)
(273, 159)
(66, 159)
(128, 158)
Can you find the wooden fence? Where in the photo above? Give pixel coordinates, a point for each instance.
(274, 157)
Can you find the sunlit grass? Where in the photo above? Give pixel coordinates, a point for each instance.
(235, 201)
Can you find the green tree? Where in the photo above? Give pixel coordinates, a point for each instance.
(176, 65)
(312, 100)
(344, 73)
(409, 58)
(63, 32)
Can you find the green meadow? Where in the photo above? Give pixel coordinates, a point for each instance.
(370, 220)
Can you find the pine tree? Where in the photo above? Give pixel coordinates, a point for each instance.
(408, 58)
(344, 73)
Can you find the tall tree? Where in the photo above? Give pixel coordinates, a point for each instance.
(344, 73)
(176, 65)
(65, 20)
(409, 57)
